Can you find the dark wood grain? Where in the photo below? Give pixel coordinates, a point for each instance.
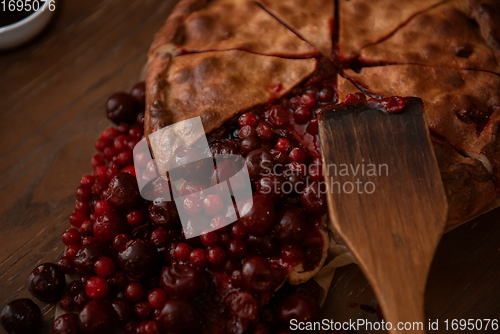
(393, 226)
(52, 95)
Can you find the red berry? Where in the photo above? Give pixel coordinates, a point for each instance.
(182, 252)
(157, 298)
(130, 170)
(216, 256)
(265, 131)
(87, 240)
(87, 180)
(120, 143)
(236, 249)
(66, 264)
(283, 144)
(302, 115)
(297, 155)
(246, 132)
(96, 287)
(101, 144)
(100, 207)
(134, 292)
(159, 237)
(238, 231)
(77, 218)
(72, 250)
(247, 119)
(192, 205)
(71, 237)
(213, 204)
(87, 228)
(120, 241)
(124, 158)
(83, 207)
(219, 223)
(308, 100)
(278, 116)
(104, 266)
(97, 160)
(198, 258)
(134, 217)
(209, 238)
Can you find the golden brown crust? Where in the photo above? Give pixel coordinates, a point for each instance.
(442, 36)
(468, 185)
(447, 94)
(487, 14)
(364, 22)
(215, 86)
(241, 25)
(310, 19)
(172, 33)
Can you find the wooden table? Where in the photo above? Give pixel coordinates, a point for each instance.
(52, 95)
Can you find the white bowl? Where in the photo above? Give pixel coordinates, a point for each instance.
(22, 31)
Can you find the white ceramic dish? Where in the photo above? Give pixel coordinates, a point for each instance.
(22, 31)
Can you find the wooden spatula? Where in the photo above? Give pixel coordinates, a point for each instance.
(391, 213)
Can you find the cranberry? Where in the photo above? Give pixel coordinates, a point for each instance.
(66, 303)
(302, 115)
(66, 324)
(66, 264)
(121, 107)
(80, 300)
(165, 215)
(21, 316)
(326, 95)
(134, 217)
(249, 144)
(157, 298)
(242, 304)
(224, 147)
(138, 257)
(74, 287)
(72, 250)
(259, 162)
(120, 144)
(87, 228)
(246, 132)
(238, 231)
(118, 279)
(355, 98)
(198, 257)
(292, 225)
(219, 223)
(257, 274)
(108, 225)
(278, 116)
(96, 318)
(213, 204)
(77, 218)
(148, 327)
(279, 156)
(313, 199)
(297, 155)
(216, 256)
(247, 119)
(138, 92)
(123, 309)
(263, 246)
(283, 144)
(225, 170)
(236, 249)
(236, 279)
(87, 256)
(159, 237)
(47, 282)
(224, 239)
(99, 187)
(265, 131)
(209, 238)
(143, 310)
(192, 205)
(97, 160)
(71, 237)
(312, 127)
(123, 192)
(308, 100)
(271, 185)
(179, 316)
(182, 252)
(300, 307)
(181, 281)
(120, 241)
(191, 164)
(292, 254)
(257, 214)
(96, 287)
(104, 267)
(134, 292)
(83, 207)
(125, 158)
(101, 144)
